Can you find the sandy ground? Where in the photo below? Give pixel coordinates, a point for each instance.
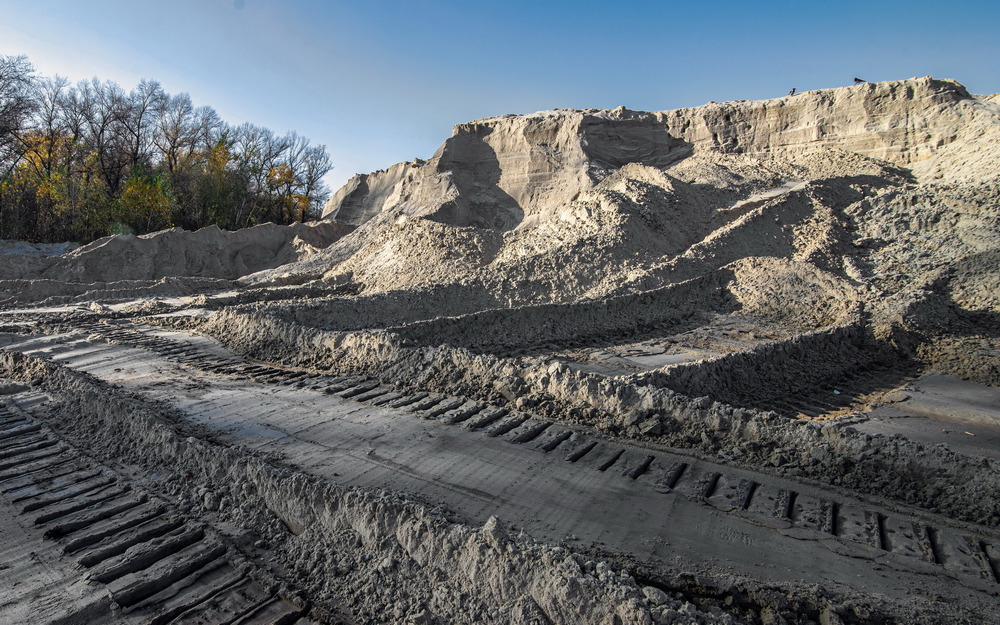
(735, 364)
(42, 586)
(590, 504)
(88, 545)
(941, 409)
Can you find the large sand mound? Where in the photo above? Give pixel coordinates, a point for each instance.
(874, 207)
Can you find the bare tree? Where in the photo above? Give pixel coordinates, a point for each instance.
(49, 135)
(210, 128)
(259, 152)
(108, 139)
(315, 165)
(16, 107)
(138, 114)
(177, 130)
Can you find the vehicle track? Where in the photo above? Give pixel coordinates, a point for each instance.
(158, 566)
(855, 526)
(836, 397)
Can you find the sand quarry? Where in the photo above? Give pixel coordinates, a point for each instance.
(733, 364)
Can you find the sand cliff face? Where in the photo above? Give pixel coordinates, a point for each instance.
(904, 122)
(492, 168)
(495, 172)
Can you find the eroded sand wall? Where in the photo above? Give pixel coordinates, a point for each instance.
(771, 370)
(934, 478)
(900, 121)
(587, 321)
(52, 292)
(382, 310)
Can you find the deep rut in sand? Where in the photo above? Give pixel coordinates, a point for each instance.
(157, 565)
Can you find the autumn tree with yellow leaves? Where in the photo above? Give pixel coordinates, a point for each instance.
(82, 161)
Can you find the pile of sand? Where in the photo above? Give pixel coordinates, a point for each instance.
(143, 264)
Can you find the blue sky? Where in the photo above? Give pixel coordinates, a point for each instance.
(380, 82)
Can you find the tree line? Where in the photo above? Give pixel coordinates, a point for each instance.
(81, 161)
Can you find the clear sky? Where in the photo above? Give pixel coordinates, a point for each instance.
(380, 82)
